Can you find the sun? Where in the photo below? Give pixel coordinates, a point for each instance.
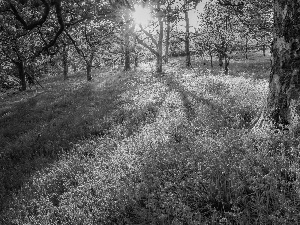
(141, 15)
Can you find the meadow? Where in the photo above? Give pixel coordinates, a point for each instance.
(143, 148)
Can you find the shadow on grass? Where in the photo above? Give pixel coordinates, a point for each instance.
(255, 67)
(188, 97)
(36, 130)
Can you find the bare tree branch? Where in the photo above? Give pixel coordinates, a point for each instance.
(149, 35)
(58, 11)
(146, 46)
(79, 51)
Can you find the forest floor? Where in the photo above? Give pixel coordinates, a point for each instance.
(141, 148)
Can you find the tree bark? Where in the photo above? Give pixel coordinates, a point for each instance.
(246, 48)
(220, 59)
(226, 65)
(284, 84)
(65, 61)
(187, 35)
(89, 65)
(159, 56)
(264, 45)
(21, 72)
(136, 60)
(211, 58)
(74, 67)
(127, 50)
(135, 55)
(167, 42)
(88, 71)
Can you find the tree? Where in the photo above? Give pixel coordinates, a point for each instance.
(172, 15)
(126, 31)
(31, 28)
(155, 46)
(125, 35)
(91, 34)
(221, 26)
(204, 43)
(65, 51)
(173, 11)
(187, 34)
(284, 87)
(282, 107)
(168, 30)
(256, 18)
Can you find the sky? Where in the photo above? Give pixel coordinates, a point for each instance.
(193, 15)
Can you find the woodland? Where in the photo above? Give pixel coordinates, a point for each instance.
(149, 112)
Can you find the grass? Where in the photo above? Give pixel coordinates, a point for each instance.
(133, 148)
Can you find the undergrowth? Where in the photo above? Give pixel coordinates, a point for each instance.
(179, 154)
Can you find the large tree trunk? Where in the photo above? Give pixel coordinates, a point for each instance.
(284, 84)
(187, 36)
(167, 42)
(21, 72)
(65, 61)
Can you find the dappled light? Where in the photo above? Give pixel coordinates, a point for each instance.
(144, 137)
(136, 112)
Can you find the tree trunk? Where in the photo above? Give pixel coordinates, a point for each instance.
(220, 59)
(127, 51)
(211, 57)
(88, 71)
(284, 84)
(136, 60)
(187, 36)
(246, 48)
(226, 65)
(159, 57)
(167, 42)
(65, 61)
(264, 49)
(74, 67)
(159, 62)
(21, 72)
(89, 65)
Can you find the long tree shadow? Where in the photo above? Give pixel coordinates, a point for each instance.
(187, 97)
(37, 130)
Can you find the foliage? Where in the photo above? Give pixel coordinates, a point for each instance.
(226, 27)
